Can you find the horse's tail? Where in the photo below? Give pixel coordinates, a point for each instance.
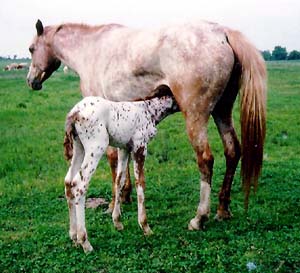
(252, 108)
(70, 134)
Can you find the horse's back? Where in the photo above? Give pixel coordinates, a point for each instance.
(133, 62)
(198, 50)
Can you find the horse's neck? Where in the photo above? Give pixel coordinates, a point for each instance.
(73, 44)
(159, 108)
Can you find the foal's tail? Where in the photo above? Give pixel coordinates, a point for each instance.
(70, 134)
(252, 108)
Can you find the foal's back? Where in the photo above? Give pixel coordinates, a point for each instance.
(124, 122)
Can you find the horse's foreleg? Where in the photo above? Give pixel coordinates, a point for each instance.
(112, 156)
(119, 185)
(232, 154)
(139, 159)
(76, 162)
(197, 131)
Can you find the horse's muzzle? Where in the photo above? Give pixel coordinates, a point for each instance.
(35, 84)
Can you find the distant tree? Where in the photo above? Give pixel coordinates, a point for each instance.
(279, 53)
(294, 55)
(15, 56)
(267, 55)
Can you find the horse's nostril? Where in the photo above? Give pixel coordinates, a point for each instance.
(35, 85)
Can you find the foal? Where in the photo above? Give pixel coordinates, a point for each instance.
(92, 125)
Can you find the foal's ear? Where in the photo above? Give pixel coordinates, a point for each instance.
(39, 27)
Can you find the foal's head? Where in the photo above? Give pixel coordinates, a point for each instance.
(43, 63)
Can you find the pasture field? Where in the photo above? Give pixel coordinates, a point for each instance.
(34, 214)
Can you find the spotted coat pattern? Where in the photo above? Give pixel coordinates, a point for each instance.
(92, 125)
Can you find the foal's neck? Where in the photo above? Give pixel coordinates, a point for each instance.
(159, 108)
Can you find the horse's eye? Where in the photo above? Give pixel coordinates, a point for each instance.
(31, 49)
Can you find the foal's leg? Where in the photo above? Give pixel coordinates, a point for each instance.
(78, 154)
(94, 148)
(112, 156)
(79, 189)
(138, 161)
(123, 156)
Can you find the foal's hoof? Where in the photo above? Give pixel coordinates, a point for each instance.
(87, 247)
(148, 231)
(119, 226)
(73, 236)
(109, 210)
(223, 215)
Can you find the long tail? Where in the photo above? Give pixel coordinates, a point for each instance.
(70, 134)
(252, 108)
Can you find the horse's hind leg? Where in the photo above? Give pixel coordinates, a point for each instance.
(222, 115)
(197, 131)
(232, 154)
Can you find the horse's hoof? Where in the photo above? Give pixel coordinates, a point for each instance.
(194, 224)
(198, 224)
(223, 215)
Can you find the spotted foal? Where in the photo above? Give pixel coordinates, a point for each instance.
(92, 125)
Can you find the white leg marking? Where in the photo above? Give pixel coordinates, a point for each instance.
(204, 205)
(203, 208)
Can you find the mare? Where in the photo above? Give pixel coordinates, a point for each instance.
(204, 64)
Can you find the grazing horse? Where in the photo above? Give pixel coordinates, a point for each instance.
(22, 66)
(204, 64)
(12, 66)
(92, 125)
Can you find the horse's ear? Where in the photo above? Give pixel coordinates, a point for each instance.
(39, 27)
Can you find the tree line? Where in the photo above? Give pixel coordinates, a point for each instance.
(280, 53)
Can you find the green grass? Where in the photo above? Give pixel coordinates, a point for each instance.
(34, 215)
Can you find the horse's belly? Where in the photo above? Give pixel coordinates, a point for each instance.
(126, 87)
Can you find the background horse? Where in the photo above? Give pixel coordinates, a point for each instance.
(205, 65)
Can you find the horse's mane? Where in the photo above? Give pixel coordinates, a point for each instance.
(85, 27)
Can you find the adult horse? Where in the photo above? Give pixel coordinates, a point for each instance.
(205, 65)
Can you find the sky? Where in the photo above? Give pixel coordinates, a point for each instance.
(266, 23)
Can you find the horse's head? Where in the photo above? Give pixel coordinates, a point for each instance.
(43, 62)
